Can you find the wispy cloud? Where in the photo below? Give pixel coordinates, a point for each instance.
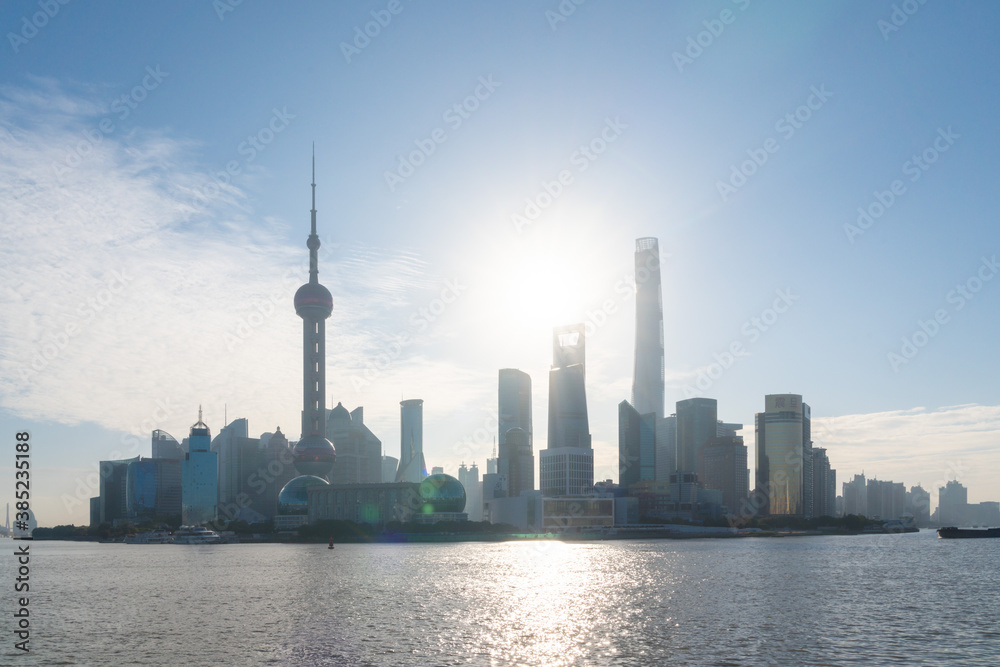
(117, 294)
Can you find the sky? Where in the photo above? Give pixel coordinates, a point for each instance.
(821, 178)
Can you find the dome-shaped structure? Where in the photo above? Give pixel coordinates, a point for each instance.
(314, 455)
(442, 493)
(313, 300)
(294, 498)
(339, 413)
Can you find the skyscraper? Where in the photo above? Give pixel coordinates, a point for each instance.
(412, 467)
(514, 403)
(516, 463)
(636, 446)
(697, 423)
(199, 477)
(723, 464)
(783, 432)
(165, 446)
(566, 465)
(516, 460)
(569, 425)
(359, 451)
(666, 448)
(647, 380)
(313, 453)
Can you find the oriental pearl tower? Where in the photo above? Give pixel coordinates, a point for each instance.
(314, 454)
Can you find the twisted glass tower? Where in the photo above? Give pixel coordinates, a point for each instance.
(647, 380)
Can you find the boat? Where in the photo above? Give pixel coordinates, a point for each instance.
(196, 535)
(952, 532)
(152, 537)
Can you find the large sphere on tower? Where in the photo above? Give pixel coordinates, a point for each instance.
(314, 455)
(314, 301)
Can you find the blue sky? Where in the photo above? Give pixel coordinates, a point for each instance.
(155, 205)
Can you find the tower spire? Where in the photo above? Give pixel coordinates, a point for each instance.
(313, 242)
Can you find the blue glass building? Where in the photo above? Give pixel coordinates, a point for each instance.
(199, 477)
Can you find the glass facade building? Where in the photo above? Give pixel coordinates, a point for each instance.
(647, 383)
(516, 460)
(153, 489)
(697, 420)
(566, 466)
(783, 432)
(165, 446)
(412, 467)
(636, 446)
(199, 477)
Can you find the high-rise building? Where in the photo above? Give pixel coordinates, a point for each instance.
(313, 454)
(412, 467)
(516, 460)
(514, 403)
(469, 477)
(886, 500)
(566, 465)
(569, 425)
(666, 448)
(389, 466)
(636, 446)
(153, 490)
(824, 484)
(359, 451)
(723, 462)
(697, 423)
(647, 379)
(165, 446)
(783, 432)
(113, 480)
(239, 457)
(199, 477)
(275, 470)
(856, 496)
(953, 503)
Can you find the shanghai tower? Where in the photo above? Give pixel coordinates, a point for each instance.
(647, 382)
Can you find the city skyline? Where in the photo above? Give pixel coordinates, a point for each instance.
(151, 246)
